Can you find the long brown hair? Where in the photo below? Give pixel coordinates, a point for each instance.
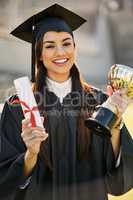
(84, 134)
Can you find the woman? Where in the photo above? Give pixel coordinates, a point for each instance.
(65, 159)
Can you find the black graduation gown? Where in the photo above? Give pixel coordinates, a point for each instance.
(90, 179)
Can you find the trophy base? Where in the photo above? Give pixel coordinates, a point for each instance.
(102, 123)
(98, 128)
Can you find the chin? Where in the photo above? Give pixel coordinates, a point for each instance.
(62, 72)
(63, 69)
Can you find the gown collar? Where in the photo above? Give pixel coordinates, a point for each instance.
(59, 89)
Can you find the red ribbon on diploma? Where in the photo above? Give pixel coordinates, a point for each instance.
(28, 109)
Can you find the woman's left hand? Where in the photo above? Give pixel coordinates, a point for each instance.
(118, 101)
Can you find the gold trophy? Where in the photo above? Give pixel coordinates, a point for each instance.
(119, 76)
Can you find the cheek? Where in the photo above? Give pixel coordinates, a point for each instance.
(72, 54)
(46, 57)
(70, 51)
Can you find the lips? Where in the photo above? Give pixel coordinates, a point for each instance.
(60, 61)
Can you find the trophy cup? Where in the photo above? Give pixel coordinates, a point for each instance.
(119, 76)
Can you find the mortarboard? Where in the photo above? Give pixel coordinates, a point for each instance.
(53, 18)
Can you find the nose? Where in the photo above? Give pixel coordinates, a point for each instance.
(60, 50)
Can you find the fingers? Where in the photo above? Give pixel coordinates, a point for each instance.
(28, 131)
(26, 123)
(122, 92)
(35, 135)
(120, 100)
(34, 140)
(37, 132)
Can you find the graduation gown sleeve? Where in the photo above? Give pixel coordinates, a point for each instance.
(119, 180)
(12, 150)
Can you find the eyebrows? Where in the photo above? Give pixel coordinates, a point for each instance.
(52, 42)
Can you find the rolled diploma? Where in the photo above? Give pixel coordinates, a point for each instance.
(25, 93)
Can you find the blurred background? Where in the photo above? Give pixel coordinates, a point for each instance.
(105, 39)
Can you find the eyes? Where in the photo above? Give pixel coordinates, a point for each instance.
(52, 46)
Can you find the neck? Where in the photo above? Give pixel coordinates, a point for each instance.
(58, 77)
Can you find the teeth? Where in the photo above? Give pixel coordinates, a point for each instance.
(61, 61)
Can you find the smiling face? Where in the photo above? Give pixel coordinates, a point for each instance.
(58, 55)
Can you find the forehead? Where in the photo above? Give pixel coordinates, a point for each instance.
(52, 35)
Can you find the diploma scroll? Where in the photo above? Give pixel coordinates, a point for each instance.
(27, 101)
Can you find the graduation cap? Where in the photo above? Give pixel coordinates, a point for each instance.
(53, 18)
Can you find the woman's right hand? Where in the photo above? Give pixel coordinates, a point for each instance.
(32, 137)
